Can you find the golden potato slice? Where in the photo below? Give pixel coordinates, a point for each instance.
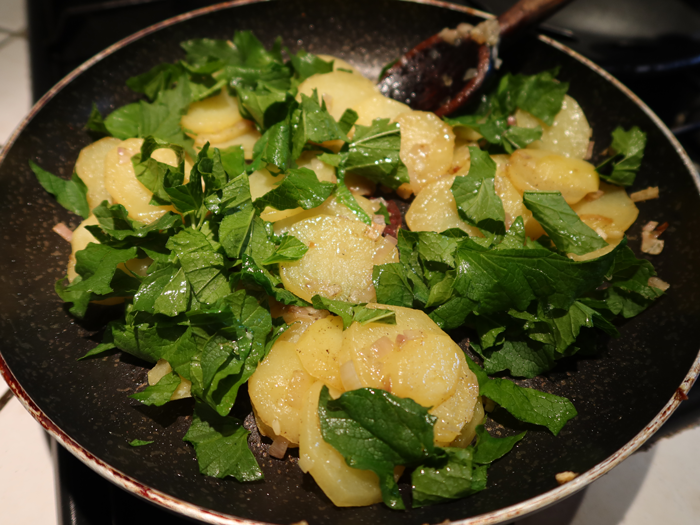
(457, 410)
(378, 106)
(340, 90)
(367, 345)
(212, 115)
(595, 254)
(568, 135)
(90, 167)
(345, 486)
(512, 199)
(610, 214)
(541, 170)
(427, 145)
(276, 389)
(332, 207)
(342, 253)
(246, 140)
(461, 158)
(318, 350)
(125, 188)
(435, 209)
(425, 369)
(468, 433)
(81, 238)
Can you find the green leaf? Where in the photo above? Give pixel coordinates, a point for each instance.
(488, 449)
(392, 285)
(203, 266)
(160, 393)
(95, 121)
(628, 148)
(375, 430)
(447, 478)
(300, 188)
(347, 199)
(290, 249)
(568, 232)
(354, 313)
(97, 265)
(305, 65)
(71, 194)
(476, 196)
(523, 358)
(374, 154)
(314, 124)
(160, 78)
(139, 442)
(525, 404)
(221, 444)
(539, 94)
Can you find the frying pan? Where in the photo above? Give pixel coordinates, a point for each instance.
(623, 394)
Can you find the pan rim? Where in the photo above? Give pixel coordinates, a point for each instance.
(177, 505)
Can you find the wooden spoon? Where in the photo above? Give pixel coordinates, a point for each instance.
(444, 72)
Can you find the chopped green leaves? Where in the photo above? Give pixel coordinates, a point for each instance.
(627, 150)
(354, 313)
(71, 194)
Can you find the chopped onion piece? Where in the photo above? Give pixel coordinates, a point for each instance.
(349, 377)
(565, 477)
(651, 244)
(650, 226)
(594, 195)
(292, 314)
(382, 347)
(652, 192)
(278, 448)
(589, 151)
(655, 282)
(64, 231)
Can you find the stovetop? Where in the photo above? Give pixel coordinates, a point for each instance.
(661, 67)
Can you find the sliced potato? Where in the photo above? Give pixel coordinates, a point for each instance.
(81, 238)
(378, 106)
(512, 199)
(125, 188)
(318, 350)
(427, 145)
(435, 209)
(468, 433)
(345, 486)
(212, 115)
(276, 388)
(542, 170)
(331, 207)
(90, 167)
(340, 90)
(342, 254)
(246, 140)
(461, 158)
(611, 214)
(568, 135)
(457, 410)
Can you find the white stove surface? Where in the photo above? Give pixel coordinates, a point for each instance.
(656, 486)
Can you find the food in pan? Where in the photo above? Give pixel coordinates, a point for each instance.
(244, 211)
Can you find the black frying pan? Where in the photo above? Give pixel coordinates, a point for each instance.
(622, 396)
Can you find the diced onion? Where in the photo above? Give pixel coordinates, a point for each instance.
(292, 314)
(64, 231)
(565, 477)
(655, 282)
(278, 448)
(349, 377)
(382, 347)
(652, 192)
(650, 226)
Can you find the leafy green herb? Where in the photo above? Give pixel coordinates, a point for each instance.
(69, 194)
(354, 312)
(628, 151)
(300, 188)
(560, 222)
(526, 404)
(139, 442)
(160, 393)
(221, 444)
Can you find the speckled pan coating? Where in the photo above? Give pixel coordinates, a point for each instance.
(622, 397)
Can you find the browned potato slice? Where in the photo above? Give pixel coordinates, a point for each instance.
(427, 145)
(216, 120)
(90, 167)
(468, 433)
(426, 369)
(276, 391)
(125, 188)
(611, 214)
(342, 253)
(541, 170)
(512, 199)
(344, 485)
(340, 90)
(594, 254)
(457, 410)
(435, 209)
(568, 135)
(378, 106)
(318, 350)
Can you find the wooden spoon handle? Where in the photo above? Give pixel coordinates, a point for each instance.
(527, 12)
